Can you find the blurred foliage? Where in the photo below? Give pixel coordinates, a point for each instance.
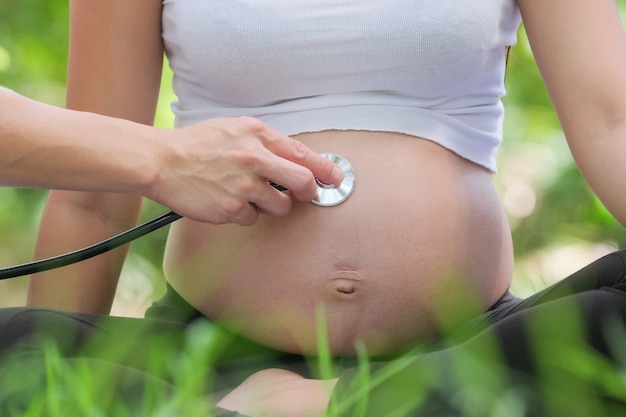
(558, 225)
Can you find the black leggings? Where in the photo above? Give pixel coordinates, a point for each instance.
(514, 352)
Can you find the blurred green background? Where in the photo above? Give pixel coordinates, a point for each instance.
(558, 225)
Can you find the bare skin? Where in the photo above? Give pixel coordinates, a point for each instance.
(581, 51)
(204, 172)
(286, 393)
(422, 243)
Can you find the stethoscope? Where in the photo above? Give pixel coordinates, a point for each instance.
(327, 196)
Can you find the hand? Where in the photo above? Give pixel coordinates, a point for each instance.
(218, 171)
(279, 393)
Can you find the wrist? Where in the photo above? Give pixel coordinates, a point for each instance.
(158, 154)
(137, 155)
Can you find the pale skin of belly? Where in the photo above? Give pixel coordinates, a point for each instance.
(421, 245)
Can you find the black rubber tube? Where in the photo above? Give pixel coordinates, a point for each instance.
(89, 251)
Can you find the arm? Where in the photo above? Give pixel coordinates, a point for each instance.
(114, 69)
(580, 48)
(106, 153)
(179, 169)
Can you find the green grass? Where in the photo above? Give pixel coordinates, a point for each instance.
(472, 380)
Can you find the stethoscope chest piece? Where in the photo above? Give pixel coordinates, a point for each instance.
(328, 195)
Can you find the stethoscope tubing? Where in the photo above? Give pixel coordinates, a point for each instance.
(89, 251)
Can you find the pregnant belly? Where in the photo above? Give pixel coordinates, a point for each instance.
(421, 245)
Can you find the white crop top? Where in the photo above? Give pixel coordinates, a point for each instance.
(428, 68)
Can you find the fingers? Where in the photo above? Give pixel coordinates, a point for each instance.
(272, 202)
(246, 216)
(248, 199)
(321, 167)
(244, 207)
(296, 166)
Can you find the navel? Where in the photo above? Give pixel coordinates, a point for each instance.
(344, 284)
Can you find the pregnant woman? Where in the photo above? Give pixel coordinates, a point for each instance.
(414, 107)
(408, 92)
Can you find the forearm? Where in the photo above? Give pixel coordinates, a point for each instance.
(71, 221)
(114, 69)
(601, 161)
(48, 147)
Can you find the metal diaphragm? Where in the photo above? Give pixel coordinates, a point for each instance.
(329, 195)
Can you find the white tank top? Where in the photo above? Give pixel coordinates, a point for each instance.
(428, 68)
